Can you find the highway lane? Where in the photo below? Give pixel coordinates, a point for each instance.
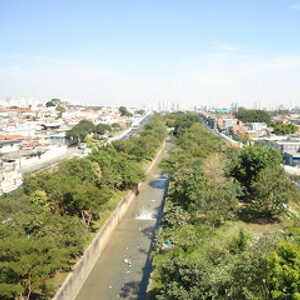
(133, 132)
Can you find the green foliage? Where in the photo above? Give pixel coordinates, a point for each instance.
(243, 137)
(40, 251)
(185, 278)
(184, 122)
(284, 272)
(81, 130)
(210, 260)
(49, 104)
(124, 112)
(272, 192)
(176, 217)
(249, 271)
(240, 242)
(83, 168)
(158, 126)
(103, 128)
(116, 126)
(140, 112)
(252, 160)
(252, 115)
(51, 215)
(61, 109)
(284, 129)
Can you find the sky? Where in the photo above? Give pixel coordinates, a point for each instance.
(192, 52)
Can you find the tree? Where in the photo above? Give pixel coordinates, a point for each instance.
(243, 137)
(116, 126)
(283, 129)
(83, 199)
(49, 104)
(184, 122)
(124, 112)
(185, 278)
(140, 112)
(103, 128)
(284, 271)
(39, 199)
(253, 115)
(272, 192)
(79, 131)
(219, 199)
(89, 140)
(82, 168)
(252, 160)
(61, 109)
(249, 273)
(87, 126)
(44, 245)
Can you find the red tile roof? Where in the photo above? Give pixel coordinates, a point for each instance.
(16, 137)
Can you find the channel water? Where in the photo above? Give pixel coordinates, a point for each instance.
(123, 270)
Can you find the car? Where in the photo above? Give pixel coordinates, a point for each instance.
(82, 146)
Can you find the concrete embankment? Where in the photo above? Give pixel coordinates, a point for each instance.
(82, 269)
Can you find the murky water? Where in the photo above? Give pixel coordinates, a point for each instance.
(123, 270)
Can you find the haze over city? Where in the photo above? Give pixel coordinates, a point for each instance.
(142, 52)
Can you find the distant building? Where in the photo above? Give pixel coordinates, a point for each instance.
(7, 146)
(61, 139)
(258, 125)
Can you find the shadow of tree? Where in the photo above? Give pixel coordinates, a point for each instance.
(130, 290)
(157, 184)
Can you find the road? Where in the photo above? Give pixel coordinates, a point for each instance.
(123, 270)
(133, 132)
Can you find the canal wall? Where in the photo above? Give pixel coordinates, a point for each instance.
(80, 272)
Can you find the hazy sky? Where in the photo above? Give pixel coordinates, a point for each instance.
(145, 51)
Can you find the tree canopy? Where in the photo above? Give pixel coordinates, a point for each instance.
(124, 112)
(103, 128)
(51, 217)
(218, 197)
(81, 130)
(284, 129)
(253, 115)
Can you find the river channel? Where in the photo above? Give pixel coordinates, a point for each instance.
(123, 270)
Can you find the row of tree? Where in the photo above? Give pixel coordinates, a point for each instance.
(45, 225)
(214, 190)
(86, 127)
(252, 115)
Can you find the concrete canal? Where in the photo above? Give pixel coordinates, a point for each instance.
(123, 270)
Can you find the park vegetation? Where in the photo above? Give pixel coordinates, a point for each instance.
(231, 220)
(284, 129)
(46, 224)
(253, 115)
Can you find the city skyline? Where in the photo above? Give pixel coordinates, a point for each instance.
(145, 52)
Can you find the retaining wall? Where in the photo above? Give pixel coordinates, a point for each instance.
(80, 272)
(45, 157)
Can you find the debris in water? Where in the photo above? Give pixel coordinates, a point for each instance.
(145, 215)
